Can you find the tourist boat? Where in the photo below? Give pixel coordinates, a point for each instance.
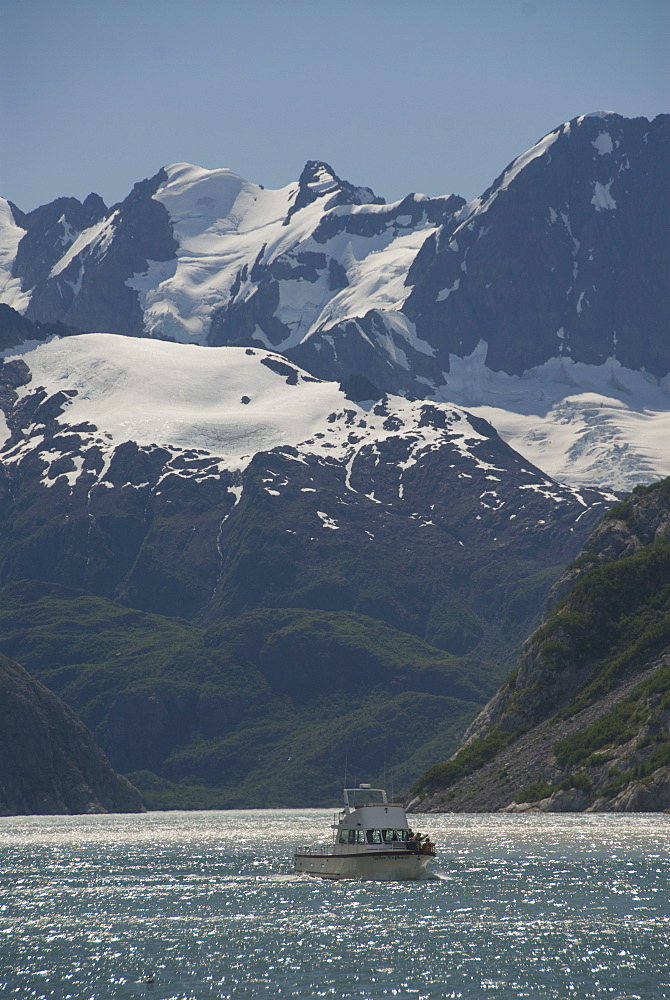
(371, 840)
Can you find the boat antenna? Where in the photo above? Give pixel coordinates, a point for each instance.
(346, 762)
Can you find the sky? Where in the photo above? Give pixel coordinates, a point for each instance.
(433, 96)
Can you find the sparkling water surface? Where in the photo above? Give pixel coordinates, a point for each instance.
(205, 905)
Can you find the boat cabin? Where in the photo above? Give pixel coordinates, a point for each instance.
(368, 818)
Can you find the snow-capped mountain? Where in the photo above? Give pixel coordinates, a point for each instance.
(542, 304)
(207, 481)
(203, 256)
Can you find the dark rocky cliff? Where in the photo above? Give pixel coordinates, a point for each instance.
(49, 763)
(583, 723)
(563, 255)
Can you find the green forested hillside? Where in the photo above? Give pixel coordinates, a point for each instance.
(261, 710)
(584, 720)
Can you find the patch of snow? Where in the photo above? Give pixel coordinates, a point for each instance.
(49, 457)
(595, 114)
(299, 302)
(603, 143)
(148, 283)
(94, 240)
(602, 425)
(602, 199)
(446, 292)
(259, 335)
(328, 521)
(399, 325)
(76, 285)
(11, 234)
(69, 234)
(376, 269)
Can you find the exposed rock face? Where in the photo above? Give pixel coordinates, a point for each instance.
(75, 260)
(566, 253)
(584, 721)
(50, 232)
(48, 760)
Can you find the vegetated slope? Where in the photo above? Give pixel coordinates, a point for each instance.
(583, 723)
(543, 302)
(262, 710)
(48, 760)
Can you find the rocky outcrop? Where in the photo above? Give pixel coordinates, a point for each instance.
(85, 286)
(49, 763)
(583, 723)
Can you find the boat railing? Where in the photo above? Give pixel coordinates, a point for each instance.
(321, 850)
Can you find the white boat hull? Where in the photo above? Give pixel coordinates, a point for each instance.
(378, 865)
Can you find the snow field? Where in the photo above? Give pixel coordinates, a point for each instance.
(224, 401)
(584, 425)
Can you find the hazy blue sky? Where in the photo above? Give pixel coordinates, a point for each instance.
(429, 95)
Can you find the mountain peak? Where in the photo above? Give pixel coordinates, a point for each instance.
(597, 114)
(319, 180)
(319, 177)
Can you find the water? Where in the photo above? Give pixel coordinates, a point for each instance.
(524, 906)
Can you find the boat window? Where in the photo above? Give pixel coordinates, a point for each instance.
(402, 834)
(347, 836)
(388, 835)
(374, 836)
(360, 836)
(357, 797)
